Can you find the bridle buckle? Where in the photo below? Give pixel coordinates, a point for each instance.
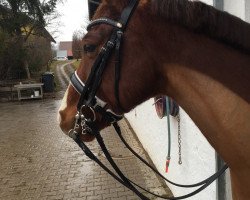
(110, 44)
(83, 121)
(84, 116)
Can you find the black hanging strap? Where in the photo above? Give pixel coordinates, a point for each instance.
(222, 170)
(124, 180)
(116, 168)
(88, 153)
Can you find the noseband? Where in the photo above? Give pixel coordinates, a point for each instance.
(89, 105)
(83, 122)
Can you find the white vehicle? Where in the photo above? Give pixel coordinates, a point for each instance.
(61, 55)
(61, 58)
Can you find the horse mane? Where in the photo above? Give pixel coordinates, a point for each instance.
(202, 18)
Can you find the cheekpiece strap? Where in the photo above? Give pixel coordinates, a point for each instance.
(127, 13)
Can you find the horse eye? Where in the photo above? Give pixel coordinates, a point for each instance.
(89, 48)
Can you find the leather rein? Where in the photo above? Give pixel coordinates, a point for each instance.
(86, 123)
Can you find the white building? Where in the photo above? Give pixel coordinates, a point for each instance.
(198, 157)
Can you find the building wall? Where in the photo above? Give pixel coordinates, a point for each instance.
(235, 7)
(66, 46)
(197, 155)
(247, 10)
(209, 2)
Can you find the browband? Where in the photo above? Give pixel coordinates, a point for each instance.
(104, 21)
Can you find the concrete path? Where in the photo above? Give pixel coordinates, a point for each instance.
(62, 75)
(39, 162)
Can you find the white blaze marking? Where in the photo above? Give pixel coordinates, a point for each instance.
(63, 104)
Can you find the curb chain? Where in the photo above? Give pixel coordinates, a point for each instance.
(179, 138)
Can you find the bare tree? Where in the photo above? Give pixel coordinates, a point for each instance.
(77, 44)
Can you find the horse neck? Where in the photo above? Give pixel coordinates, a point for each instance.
(211, 82)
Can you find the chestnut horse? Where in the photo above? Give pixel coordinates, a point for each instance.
(187, 50)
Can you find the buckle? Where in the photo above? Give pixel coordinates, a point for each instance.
(110, 44)
(119, 25)
(103, 49)
(120, 33)
(84, 115)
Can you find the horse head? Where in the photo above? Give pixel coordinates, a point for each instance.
(126, 73)
(184, 49)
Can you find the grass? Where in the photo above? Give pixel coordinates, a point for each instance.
(76, 64)
(53, 65)
(52, 68)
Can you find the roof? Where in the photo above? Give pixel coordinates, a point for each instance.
(93, 4)
(43, 32)
(39, 30)
(65, 45)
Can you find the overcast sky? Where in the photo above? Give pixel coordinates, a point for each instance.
(74, 17)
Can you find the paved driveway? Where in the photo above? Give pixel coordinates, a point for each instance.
(39, 162)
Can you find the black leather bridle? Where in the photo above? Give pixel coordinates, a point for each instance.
(88, 90)
(86, 123)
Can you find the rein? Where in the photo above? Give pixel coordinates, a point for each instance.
(85, 122)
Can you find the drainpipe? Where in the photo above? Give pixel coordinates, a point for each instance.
(221, 185)
(219, 4)
(221, 181)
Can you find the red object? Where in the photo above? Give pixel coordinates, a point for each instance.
(160, 106)
(167, 165)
